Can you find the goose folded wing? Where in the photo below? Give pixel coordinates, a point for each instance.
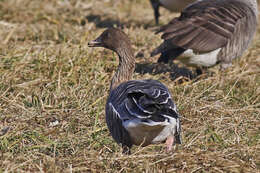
(204, 26)
(147, 104)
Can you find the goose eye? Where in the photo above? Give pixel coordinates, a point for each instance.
(105, 35)
(108, 35)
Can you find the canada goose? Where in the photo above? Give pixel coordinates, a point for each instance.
(208, 32)
(138, 112)
(172, 5)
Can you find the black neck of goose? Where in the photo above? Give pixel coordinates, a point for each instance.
(125, 68)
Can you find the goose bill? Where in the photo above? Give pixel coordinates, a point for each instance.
(95, 43)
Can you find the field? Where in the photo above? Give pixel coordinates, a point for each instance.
(53, 90)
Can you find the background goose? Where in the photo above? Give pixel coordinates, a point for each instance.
(209, 31)
(139, 112)
(172, 5)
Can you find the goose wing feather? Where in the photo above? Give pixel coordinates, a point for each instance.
(117, 131)
(204, 25)
(144, 99)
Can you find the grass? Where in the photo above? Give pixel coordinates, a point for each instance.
(53, 90)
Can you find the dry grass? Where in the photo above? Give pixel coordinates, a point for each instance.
(53, 89)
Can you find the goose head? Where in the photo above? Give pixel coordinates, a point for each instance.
(113, 39)
(117, 41)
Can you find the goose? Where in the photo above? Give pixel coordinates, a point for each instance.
(171, 5)
(138, 112)
(209, 32)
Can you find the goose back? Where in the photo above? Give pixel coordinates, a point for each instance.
(145, 101)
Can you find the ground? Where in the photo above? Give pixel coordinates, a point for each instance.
(53, 90)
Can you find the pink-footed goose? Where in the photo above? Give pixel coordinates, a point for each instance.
(138, 112)
(172, 5)
(208, 32)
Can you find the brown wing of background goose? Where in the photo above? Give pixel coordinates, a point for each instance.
(207, 25)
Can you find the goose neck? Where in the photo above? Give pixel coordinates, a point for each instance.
(125, 68)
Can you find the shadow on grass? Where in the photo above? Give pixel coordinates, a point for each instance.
(158, 68)
(102, 23)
